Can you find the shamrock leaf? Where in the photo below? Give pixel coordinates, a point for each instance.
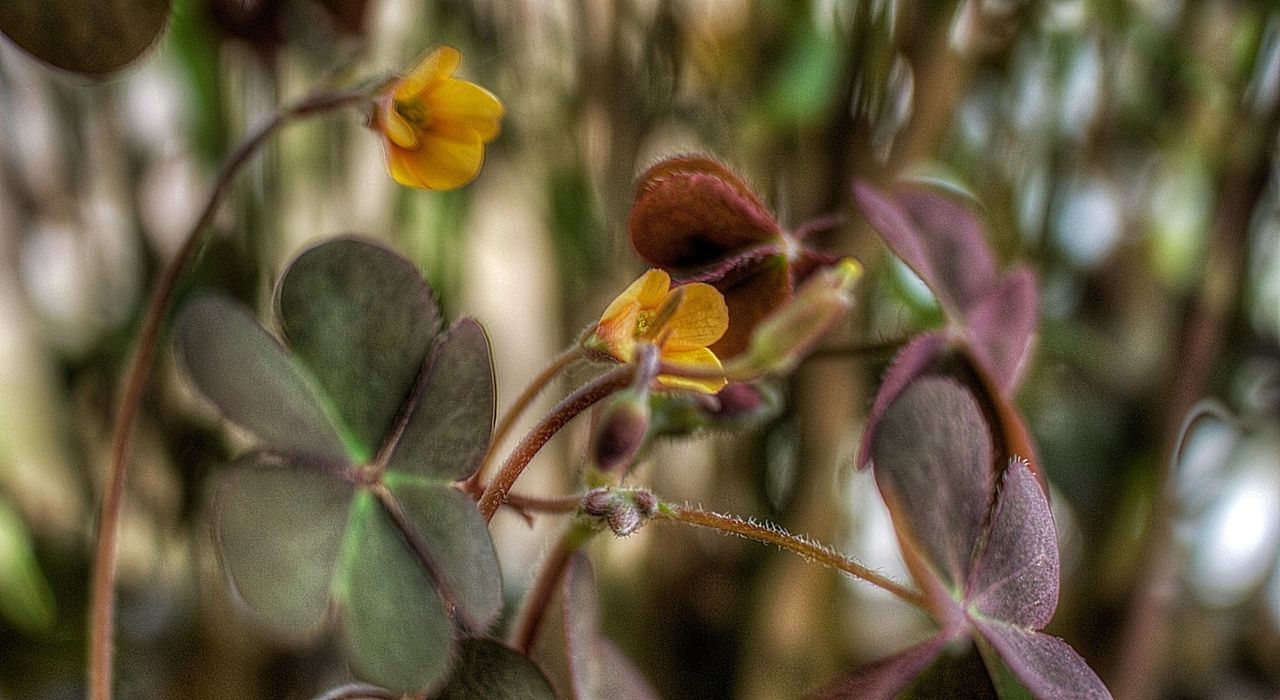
(485, 669)
(991, 318)
(364, 422)
(980, 543)
(91, 37)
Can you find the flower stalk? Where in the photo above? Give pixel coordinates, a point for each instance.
(771, 534)
(495, 493)
(103, 593)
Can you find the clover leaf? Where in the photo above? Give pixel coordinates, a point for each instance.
(365, 417)
(90, 37)
(991, 317)
(980, 542)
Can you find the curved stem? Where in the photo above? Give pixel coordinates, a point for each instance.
(102, 612)
(522, 403)
(495, 494)
(525, 632)
(771, 534)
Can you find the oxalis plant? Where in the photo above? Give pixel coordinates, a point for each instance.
(371, 471)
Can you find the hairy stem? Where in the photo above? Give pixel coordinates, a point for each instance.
(771, 534)
(522, 403)
(103, 593)
(525, 632)
(495, 493)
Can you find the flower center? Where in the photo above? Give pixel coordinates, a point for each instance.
(644, 323)
(414, 112)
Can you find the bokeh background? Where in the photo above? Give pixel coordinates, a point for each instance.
(1126, 150)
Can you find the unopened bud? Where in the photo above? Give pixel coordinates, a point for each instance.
(784, 337)
(743, 401)
(622, 510)
(621, 429)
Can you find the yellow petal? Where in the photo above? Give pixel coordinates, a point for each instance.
(647, 292)
(651, 289)
(441, 163)
(397, 130)
(399, 164)
(454, 104)
(435, 66)
(702, 359)
(699, 321)
(615, 335)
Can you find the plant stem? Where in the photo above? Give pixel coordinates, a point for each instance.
(495, 493)
(531, 391)
(525, 632)
(102, 612)
(771, 534)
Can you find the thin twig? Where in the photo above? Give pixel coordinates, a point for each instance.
(522, 403)
(102, 612)
(525, 632)
(772, 534)
(495, 494)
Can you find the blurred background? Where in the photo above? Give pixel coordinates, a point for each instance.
(1125, 150)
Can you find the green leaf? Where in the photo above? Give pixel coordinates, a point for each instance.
(489, 670)
(452, 420)
(279, 532)
(25, 597)
(397, 630)
(92, 37)
(361, 319)
(238, 366)
(451, 532)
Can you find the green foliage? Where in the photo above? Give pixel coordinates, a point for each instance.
(363, 424)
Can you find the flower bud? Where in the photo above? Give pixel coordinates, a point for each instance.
(622, 510)
(784, 337)
(621, 429)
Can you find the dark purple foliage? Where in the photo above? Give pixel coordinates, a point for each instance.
(980, 542)
(991, 318)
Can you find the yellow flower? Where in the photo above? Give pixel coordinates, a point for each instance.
(435, 126)
(681, 322)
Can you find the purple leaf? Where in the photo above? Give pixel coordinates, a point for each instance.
(1044, 665)
(939, 239)
(1001, 327)
(910, 362)
(888, 676)
(933, 459)
(1015, 578)
(582, 663)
